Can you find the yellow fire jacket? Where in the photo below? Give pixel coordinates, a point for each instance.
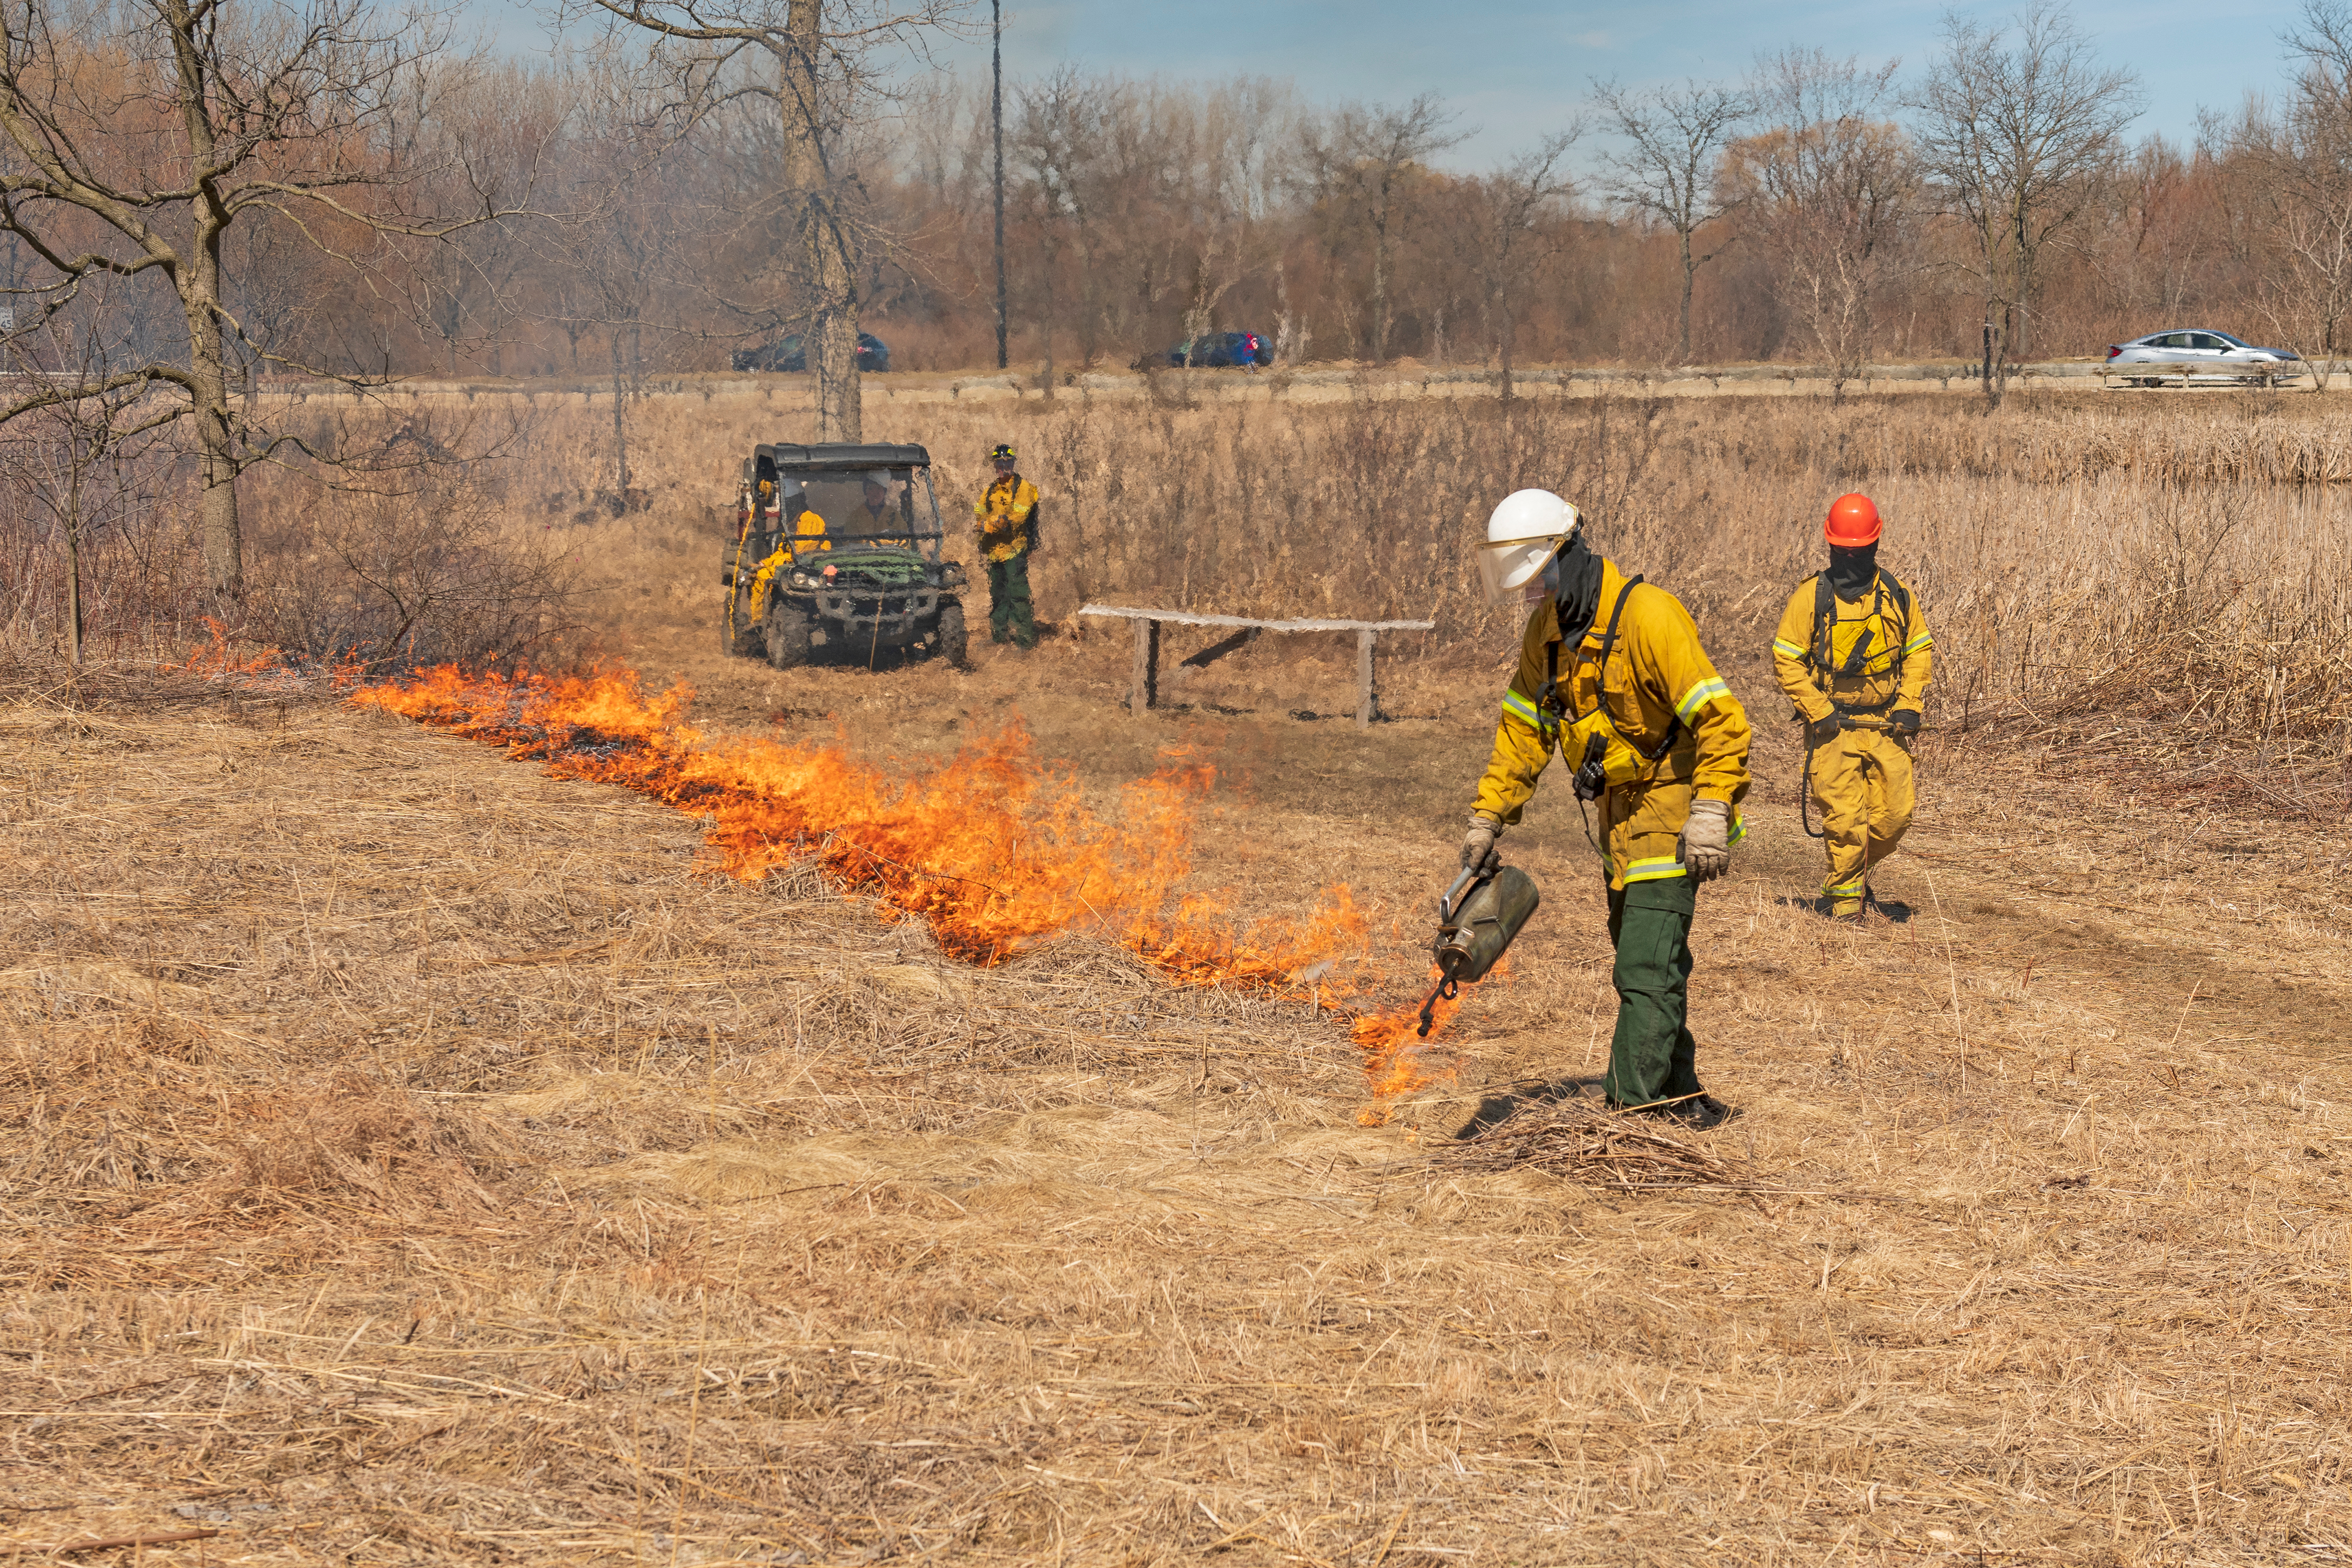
(1003, 512)
(811, 538)
(1868, 656)
(1672, 730)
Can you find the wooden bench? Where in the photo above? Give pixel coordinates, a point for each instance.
(1143, 688)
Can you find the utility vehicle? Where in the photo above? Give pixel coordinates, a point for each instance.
(837, 557)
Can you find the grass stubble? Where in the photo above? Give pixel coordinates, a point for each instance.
(413, 1158)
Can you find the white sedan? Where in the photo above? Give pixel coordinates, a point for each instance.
(2202, 351)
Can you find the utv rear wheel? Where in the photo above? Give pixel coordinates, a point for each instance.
(952, 636)
(788, 637)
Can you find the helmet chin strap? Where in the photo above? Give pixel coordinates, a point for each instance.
(1579, 598)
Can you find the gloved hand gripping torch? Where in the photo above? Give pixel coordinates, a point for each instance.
(1476, 920)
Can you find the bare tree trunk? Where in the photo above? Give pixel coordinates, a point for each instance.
(73, 591)
(832, 249)
(224, 547)
(1690, 273)
(620, 431)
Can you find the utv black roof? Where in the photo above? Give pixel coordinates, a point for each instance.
(839, 455)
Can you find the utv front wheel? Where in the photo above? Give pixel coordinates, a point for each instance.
(951, 638)
(788, 637)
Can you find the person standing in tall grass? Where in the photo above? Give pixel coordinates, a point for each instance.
(1612, 677)
(1006, 516)
(1853, 654)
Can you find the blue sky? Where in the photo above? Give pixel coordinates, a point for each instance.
(1515, 69)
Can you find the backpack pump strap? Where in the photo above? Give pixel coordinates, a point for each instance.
(1883, 586)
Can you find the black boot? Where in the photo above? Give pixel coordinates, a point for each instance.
(1703, 1114)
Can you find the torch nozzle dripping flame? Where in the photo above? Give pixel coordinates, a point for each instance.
(1446, 990)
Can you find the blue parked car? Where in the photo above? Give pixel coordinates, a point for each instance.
(1222, 351)
(792, 355)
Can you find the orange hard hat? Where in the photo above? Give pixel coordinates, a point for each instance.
(1852, 520)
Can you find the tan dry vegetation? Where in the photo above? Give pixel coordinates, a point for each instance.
(415, 1159)
(2143, 582)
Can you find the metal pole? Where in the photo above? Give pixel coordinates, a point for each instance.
(996, 122)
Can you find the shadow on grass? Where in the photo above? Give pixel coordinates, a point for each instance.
(1501, 1105)
(1891, 909)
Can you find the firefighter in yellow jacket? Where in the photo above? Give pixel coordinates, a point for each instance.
(1007, 518)
(1853, 653)
(1612, 677)
(794, 545)
(806, 536)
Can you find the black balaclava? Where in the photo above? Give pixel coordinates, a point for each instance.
(1852, 567)
(1580, 591)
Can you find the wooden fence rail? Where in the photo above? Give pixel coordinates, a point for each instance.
(1143, 687)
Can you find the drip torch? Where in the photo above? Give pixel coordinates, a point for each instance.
(1476, 918)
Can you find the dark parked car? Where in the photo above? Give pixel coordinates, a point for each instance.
(791, 353)
(1222, 351)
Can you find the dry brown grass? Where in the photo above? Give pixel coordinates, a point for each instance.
(413, 1159)
(2126, 572)
(409, 1158)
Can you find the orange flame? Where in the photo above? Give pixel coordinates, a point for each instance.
(1395, 1054)
(992, 850)
(264, 667)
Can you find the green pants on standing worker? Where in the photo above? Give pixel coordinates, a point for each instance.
(1007, 518)
(1009, 611)
(1652, 1056)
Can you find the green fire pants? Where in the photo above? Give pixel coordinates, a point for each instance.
(1652, 1056)
(1008, 601)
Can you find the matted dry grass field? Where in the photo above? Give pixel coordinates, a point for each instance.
(414, 1158)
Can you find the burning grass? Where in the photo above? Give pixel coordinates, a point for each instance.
(993, 852)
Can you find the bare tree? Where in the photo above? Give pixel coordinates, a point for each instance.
(140, 136)
(1832, 185)
(2301, 159)
(620, 231)
(2015, 135)
(1509, 206)
(2159, 250)
(825, 59)
(1362, 165)
(460, 289)
(1675, 138)
(86, 465)
(1233, 153)
(1056, 141)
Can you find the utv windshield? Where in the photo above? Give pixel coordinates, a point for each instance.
(875, 508)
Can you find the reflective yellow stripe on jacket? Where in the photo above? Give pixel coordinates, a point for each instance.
(1816, 694)
(1658, 867)
(1700, 695)
(1672, 730)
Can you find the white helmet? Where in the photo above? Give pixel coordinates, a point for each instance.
(1523, 537)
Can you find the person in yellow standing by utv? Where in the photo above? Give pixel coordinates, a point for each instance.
(1853, 653)
(1007, 518)
(799, 534)
(1612, 677)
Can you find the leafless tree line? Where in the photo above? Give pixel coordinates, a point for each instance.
(200, 199)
